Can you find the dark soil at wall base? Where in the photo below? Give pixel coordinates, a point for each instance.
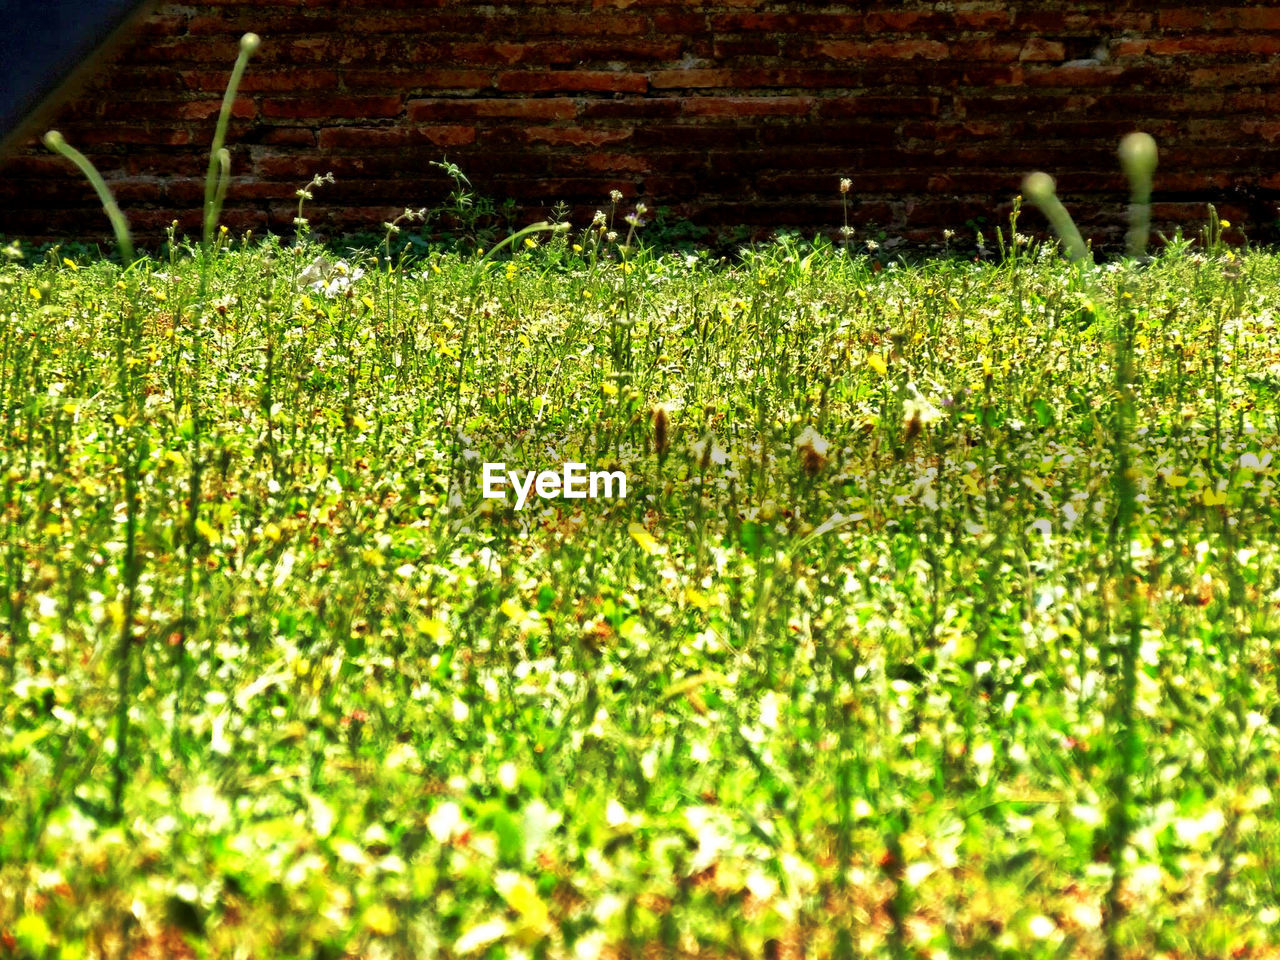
(727, 112)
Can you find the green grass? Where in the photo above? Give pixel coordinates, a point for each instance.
(861, 664)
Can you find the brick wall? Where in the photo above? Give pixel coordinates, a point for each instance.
(728, 111)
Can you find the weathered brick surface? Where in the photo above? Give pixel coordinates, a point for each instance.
(729, 111)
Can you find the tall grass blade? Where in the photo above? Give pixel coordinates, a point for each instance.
(249, 44)
(58, 144)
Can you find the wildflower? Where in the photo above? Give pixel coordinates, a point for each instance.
(872, 246)
(845, 185)
(330, 279)
(615, 196)
(599, 219)
(918, 411)
(847, 231)
(706, 451)
(948, 235)
(611, 236)
(812, 447)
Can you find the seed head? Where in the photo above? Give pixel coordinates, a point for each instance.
(1039, 188)
(661, 435)
(1138, 157)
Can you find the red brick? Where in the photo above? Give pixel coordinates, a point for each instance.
(261, 81)
(1231, 45)
(557, 108)
(1037, 48)
(448, 135)
(617, 163)
(469, 80)
(368, 138)
(555, 81)
(749, 46)
(170, 136)
(290, 136)
(1002, 51)
(1128, 49)
(1258, 18)
(324, 108)
(1226, 76)
(1075, 76)
(807, 23)
(679, 24)
(747, 106)
(984, 19)
(576, 136)
(861, 106)
(1183, 19)
(702, 78)
(630, 108)
(578, 25)
(882, 49)
(1268, 130)
(243, 107)
(906, 21)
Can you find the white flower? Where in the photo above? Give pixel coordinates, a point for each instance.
(331, 279)
(1251, 461)
(811, 440)
(1041, 927)
(919, 408)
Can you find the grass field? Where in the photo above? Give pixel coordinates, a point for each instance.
(939, 619)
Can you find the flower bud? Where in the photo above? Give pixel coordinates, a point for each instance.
(1138, 157)
(1039, 187)
(250, 43)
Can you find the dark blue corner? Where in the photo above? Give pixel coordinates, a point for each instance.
(43, 43)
